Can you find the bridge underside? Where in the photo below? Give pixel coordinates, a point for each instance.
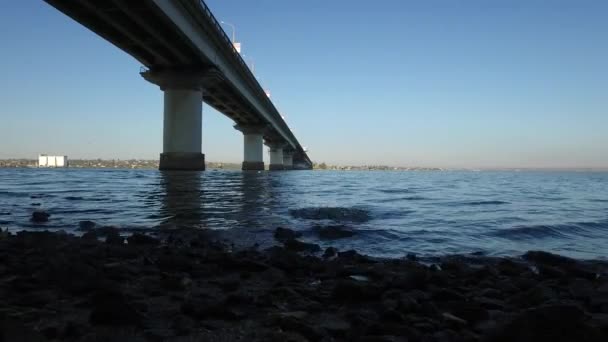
(145, 31)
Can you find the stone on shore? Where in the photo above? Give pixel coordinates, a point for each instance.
(40, 216)
(299, 246)
(333, 232)
(186, 287)
(283, 234)
(86, 225)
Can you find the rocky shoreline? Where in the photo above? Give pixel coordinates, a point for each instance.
(184, 286)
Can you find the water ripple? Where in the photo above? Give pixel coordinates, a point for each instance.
(392, 212)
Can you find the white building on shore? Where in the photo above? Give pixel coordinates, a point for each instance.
(52, 161)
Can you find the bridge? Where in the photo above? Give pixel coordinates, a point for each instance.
(185, 52)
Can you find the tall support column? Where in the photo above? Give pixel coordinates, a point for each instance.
(288, 159)
(276, 157)
(253, 147)
(182, 120)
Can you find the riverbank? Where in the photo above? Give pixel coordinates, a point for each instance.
(183, 286)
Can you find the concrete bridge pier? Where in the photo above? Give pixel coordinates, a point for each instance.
(183, 118)
(253, 147)
(288, 159)
(276, 157)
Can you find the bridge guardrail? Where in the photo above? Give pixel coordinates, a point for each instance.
(240, 59)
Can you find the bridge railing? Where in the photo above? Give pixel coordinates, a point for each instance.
(239, 59)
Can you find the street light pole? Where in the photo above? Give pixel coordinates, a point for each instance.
(233, 30)
(249, 59)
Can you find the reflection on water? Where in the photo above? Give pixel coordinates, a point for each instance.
(182, 200)
(196, 199)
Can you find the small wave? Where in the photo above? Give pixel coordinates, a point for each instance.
(551, 231)
(74, 198)
(331, 213)
(599, 200)
(395, 191)
(475, 203)
(529, 232)
(485, 203)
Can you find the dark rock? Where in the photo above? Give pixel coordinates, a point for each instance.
(310, 331)
(352, 290)
(470, 311)
(330, 252)
(334, 325)
(447, 295)
(299, 246)
(511, 268)
(569, 266)
(581, 288)
(89, 236)
(86, 225)
(353, 256)
(559, 322)
(112, 308)
(138, 239)
(333, 232)
(40, 216)
(12, 329)
(284, 234)
(411, 257)
(535, 296)
(547, 258)
(171, 262)
(114, 238)
(211, 309)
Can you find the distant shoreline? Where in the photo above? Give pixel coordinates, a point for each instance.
(153, 164)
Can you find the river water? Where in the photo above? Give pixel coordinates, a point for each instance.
(392, 213)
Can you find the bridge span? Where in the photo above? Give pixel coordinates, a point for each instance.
(185, 52)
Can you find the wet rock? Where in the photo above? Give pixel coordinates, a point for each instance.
(559, 322)
(284, 234)
(334, 325)
(333, 232)
(354, 256)
(581, 288)
(40, 216)
(12, 329)
(352, 290)
(299, 246)
(89, 236)
(114, 238)
(470, 311)
(310, 331)
(211, 309)
(138, 239)
(535, 296)
(86, 225)
(568, 266)
(331, 213)
(112, 308)
(330, 252)
(411, 257)
(448, 317)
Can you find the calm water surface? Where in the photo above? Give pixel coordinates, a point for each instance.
(430, 213)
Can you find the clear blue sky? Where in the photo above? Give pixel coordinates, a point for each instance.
(518, 83)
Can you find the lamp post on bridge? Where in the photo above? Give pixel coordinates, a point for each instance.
(236, 45)
(252, 62)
